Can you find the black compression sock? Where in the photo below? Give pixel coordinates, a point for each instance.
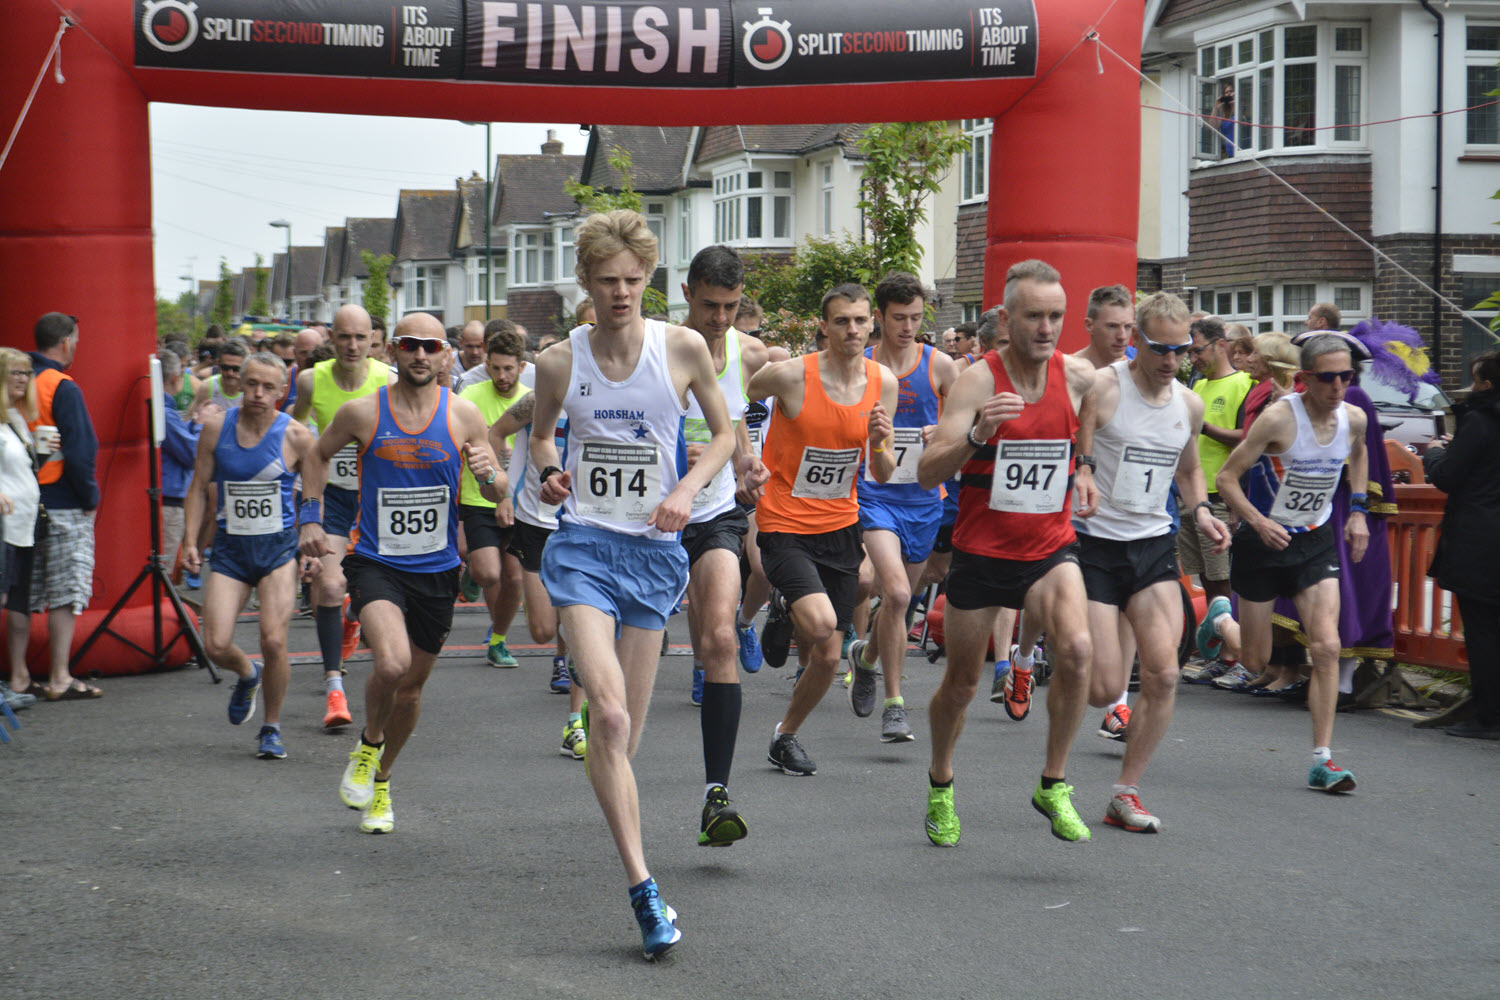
(1051, 782)
(721, 724)
(331, 637)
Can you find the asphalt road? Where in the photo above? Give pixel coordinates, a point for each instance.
(151, 855)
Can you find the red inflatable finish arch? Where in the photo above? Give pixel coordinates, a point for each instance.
(75, 192)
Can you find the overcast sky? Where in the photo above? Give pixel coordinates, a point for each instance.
(220, 175)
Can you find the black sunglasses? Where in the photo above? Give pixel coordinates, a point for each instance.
(1347, 375)
(431, 345)
(1162, 350)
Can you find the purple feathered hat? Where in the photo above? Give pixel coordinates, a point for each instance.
(1398, 355)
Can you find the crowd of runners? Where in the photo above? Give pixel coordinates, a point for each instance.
(635, 463)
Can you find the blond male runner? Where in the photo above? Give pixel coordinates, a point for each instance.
(616, 567)
(1010, 424)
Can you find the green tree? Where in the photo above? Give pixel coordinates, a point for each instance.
(791, 290)
(171, 318)
(905, 163)
(258, 304)
(377, 293)
(592, 199)
(223, 310)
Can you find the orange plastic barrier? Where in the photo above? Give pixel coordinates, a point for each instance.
(1403, 461)
(1414, 534)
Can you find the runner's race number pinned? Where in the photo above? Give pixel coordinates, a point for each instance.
(252, 508)
(906, 445)
(617, 481)
(413, 521)
(826, 474)
(1030, 477)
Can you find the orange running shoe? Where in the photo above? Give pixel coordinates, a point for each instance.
(1116, 723)
(351, 634)
(338, 711)
(1018, 693)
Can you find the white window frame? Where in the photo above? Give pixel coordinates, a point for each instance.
(1257, 65)
(533, 250)
(1474, 58)
(474, 278)
(566, 254)
(424, 285)
(974, 163)
(684, 229)
(743, 189)
(1473, 265)
(825, 173)
(1261, 319)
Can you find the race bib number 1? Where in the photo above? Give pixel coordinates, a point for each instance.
(826, 474)
(1031, 477)
(1142, 479)
(906, 444)
(252, 508)
(414, 521)
(343, 470)
(1302, 499)
(617, 481)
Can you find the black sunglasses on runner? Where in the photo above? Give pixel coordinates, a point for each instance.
(1347, 375)
(431, 345)
(1162, 350)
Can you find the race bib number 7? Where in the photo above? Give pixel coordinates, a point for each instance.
(906, 445)
(1031, 477)
(414, 521)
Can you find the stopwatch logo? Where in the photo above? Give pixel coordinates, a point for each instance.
(170, 25)
(768, 43)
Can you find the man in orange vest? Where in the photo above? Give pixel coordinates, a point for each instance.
(63, 573)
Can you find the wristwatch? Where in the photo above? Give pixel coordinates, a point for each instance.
(969, 437)
(1088, 460)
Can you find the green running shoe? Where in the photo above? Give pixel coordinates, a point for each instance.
(942, 822)
(722, 825)
(1056, 804)
(379, 817)
(499, 656)
(584, 711)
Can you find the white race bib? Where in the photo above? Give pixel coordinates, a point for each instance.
(1301, 500)
(706, 496)
(1031, 477)
(906, 443)
(252, 508)
(756, 437)
(1143, 479)
(617, 481)
(343, 468)
(826, 474)
(413, 521)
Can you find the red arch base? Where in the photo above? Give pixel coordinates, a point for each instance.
(75, 194)
(109, 656)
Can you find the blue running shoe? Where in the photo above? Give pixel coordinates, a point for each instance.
(242, 697)
(658, 921)
(192, 581)
(1209, 641)
(270, 746)
(749, 645)
(1329, 777)
(697, 693)
(561, 682)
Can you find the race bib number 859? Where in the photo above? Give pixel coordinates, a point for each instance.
(413, 522)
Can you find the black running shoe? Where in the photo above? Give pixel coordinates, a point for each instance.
(787, 754)
(722, 826)
(776, 637)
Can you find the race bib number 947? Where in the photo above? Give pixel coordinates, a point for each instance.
(1031, 477)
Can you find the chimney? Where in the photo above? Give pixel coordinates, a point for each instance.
(553, 146)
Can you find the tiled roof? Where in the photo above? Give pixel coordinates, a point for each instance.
(305, 264)
(530, 188)
(425, 221)
(373, 235)
(656, 154)
(1181, 10)
(723, 140)
(332, 271)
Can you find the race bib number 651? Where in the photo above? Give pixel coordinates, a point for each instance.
(826, 474)
(1031, 477)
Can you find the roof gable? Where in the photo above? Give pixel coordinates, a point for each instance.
(374, 235)
(529, 188)
(332, 271)
(424, 224)
(657, 154)
(1180, 10)
(718, 141)
(305, 264)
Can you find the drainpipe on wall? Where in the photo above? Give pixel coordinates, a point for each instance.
(1437, 187)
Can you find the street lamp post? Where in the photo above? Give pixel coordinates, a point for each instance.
(489, 211)
(192, 302)
(286, 286)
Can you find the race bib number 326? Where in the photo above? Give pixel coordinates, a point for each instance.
(1031, 477)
